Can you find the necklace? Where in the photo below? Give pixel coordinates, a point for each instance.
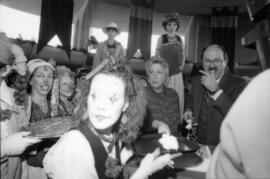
(112, 140)
(43, 106)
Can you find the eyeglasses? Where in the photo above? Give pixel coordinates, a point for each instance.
(216, 61)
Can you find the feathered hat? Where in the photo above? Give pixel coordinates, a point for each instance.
(134, 115)
(10, 53)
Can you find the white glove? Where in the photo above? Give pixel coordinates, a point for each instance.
(153, 162)
(17, 143)
(161, 127)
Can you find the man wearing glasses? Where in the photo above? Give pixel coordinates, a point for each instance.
(212, 94)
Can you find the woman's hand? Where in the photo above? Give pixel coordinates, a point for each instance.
(153, 162)
(17, 143)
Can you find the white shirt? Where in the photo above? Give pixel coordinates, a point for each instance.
(219, 92)
(72, 158)
(5, 95)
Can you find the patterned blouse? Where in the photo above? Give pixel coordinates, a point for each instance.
(37, 114)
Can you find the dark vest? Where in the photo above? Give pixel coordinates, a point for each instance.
(99, 152)
(203, 120)
(165, 39)
(173, 65)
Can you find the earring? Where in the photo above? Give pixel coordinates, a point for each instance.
(124, 118)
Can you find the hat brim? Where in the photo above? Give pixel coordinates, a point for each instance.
(118, 30)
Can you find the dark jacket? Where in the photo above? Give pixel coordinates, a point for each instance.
(232, 86)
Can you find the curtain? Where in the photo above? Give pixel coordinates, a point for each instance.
(197, 36)
(224, 24)
(140, 29)
(83, 21)
(56, 19)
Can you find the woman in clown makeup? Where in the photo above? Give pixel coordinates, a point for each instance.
(100, 147)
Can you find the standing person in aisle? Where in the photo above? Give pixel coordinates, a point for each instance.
(110, 48)
(176, 60)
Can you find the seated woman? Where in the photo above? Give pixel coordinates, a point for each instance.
(40, 84)
(162, 102)
(100, 146)
(41, 77)
(66, 90)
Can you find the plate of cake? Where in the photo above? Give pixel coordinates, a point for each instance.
(51, 127)
(147, 143)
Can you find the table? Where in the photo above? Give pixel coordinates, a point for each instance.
(196, 172)
(178, 174)
(192, 165)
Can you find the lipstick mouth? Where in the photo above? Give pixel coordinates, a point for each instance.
(154, 82)
(45, 87)
(100, 117)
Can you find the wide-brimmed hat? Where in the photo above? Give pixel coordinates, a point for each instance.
(171, 17)
(112, 25)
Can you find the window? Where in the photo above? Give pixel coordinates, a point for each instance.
(19, 24)
(154, 40)
(16, 23)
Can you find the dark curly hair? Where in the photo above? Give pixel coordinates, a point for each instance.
(134, 91)
(171, 17)
(19, 84)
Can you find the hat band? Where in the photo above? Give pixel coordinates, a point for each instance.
(172, 20)
(111, 28)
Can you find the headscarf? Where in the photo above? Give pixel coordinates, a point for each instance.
(32, 65)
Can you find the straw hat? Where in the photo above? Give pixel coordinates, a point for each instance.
(171, 17)
(112, 25)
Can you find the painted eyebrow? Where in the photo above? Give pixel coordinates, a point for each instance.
(114, 97)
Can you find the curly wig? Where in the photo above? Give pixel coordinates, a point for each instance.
(134, 115)
(63, 71)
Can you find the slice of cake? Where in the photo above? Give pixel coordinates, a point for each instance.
(169, 142)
